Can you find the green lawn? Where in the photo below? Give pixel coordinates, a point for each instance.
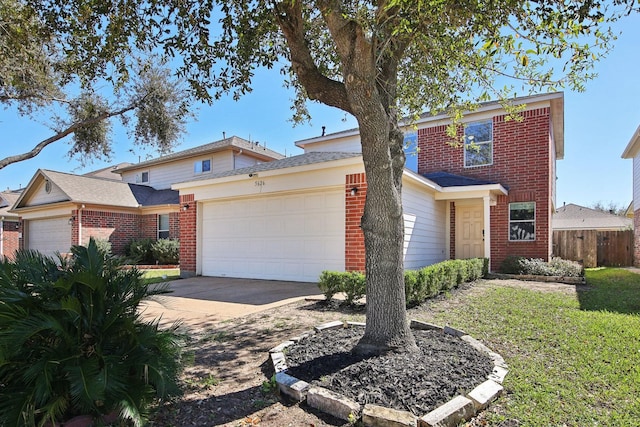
(160, 275)
(574, 359)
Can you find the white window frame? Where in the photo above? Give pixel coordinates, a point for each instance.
(519, 221)
(142, 180)
(168, 230)
(477, 144)
(198, 167)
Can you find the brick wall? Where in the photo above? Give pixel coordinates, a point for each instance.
(187, 231)
(11, 231)
(116, 227)
(521, 162)
(354, 209)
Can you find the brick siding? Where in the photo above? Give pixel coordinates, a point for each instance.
(354, 209)
(521, 162)
(187, 230)
(11, 232)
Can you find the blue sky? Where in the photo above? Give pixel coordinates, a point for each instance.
(598, 126)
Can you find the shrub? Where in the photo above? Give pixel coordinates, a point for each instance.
(139, 250)
(103, 245)
(354, 286)
(538, 267)
(72, 341)
(166, 251)
(330, 283)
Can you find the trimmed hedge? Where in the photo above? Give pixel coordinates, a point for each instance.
(419, 284)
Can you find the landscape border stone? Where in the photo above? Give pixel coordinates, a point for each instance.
(458, 409)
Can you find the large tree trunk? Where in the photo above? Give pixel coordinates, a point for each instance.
(387, 328)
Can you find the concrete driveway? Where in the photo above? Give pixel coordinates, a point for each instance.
(199, 302)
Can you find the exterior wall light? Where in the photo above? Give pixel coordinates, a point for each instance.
(185, 207)
(354, 191)
(71, 220)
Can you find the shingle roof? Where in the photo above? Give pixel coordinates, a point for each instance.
(109, 172)
(445, 179)
(233, 141)
(102, 191)
(9, 198)
(288, 162)
(578, 217)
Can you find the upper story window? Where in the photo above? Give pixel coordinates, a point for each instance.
(478, 144)
(163, 226)
(522, 221)
(143, 177)
(411, 151)
(202, 166)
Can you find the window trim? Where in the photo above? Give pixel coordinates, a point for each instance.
(142, 181)
(464, 148)
(159, 230)
(534, 221)
(200, 164)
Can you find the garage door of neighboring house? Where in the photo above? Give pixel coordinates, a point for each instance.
(287, 237)
(49, 235)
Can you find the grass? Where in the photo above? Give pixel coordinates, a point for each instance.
(574, 359)
(160, 275)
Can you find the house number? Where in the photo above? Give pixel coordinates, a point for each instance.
(259, 183)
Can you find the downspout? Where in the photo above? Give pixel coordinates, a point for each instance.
(80, 224)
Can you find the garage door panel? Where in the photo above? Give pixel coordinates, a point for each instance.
(50, 235)
(292, 237)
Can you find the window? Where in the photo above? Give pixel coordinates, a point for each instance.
(522, 221)
(202, 166)
(478, 144)
(411, 151)
(144, 177)
(163, 226)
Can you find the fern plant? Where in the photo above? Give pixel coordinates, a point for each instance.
(72, 341)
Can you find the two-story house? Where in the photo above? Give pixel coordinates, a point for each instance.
(57, 210)
(292, 218)
(632, 151)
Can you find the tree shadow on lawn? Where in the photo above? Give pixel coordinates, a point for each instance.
(613, 290)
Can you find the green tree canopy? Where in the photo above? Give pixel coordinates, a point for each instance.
(377, 60)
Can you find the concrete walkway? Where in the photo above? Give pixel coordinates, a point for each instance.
(199, 302)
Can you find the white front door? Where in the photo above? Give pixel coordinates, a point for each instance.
(469, 231)
(277, 237)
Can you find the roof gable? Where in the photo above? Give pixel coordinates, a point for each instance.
(632, 148)
(233, 143)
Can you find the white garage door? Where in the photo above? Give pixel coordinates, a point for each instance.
(292, 237)
(49, 235)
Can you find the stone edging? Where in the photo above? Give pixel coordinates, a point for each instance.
(460, 408)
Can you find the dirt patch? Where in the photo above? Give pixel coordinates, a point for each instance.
(227, 378)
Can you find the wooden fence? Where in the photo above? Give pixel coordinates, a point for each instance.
(595, 248)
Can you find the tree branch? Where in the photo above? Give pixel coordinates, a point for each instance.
(58, 136)
(318, 86)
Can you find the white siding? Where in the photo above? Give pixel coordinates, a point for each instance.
(636, 182)
(41, 197)
(242, 161)
(163, 175)
(343, 145)
(424, 227)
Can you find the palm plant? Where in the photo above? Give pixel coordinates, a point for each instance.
(72, 341)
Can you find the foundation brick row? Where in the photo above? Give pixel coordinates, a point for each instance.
(450, 414)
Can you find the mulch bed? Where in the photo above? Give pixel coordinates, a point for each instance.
(445, 367)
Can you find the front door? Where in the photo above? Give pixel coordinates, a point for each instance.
(469, 231)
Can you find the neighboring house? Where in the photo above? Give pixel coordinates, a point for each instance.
(292, 218)
(10, 226)
(576, 217)
(632, 151)
(58, 210)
